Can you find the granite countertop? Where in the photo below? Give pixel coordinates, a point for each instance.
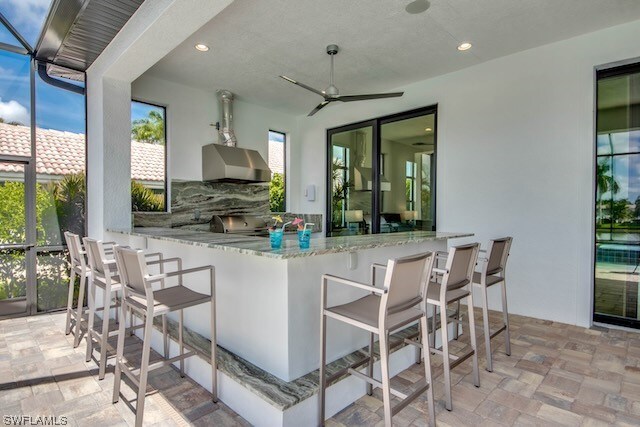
(260, 246)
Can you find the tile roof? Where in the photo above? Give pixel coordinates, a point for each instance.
(276, 156)
(61, 153)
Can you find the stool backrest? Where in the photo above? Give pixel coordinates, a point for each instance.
(95, 255)
(132, 268)
(461, 263)
(405, 282)
(75, 248)
(498, 252)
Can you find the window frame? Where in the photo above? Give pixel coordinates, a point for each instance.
(165, 108)
(376, 124)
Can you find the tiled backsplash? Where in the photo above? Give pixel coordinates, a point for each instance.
(194, 203)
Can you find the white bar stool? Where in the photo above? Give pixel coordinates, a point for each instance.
(455, 283)
(399, 303)
(139, 295)
(493, 271)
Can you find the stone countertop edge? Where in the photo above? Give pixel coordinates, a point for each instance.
(259, 246)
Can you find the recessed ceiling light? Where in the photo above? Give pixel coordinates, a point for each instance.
(417, 6)
(464, 46)
(428, 130)
(202, 47)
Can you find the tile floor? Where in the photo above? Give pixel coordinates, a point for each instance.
(557, 375)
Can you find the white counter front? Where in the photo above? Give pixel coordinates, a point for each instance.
(268, 301)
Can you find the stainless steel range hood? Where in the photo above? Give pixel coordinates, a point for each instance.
(226, 162)
(233, 164)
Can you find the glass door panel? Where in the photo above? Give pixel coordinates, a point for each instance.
(351, 172)
(406, 174)
(60, 190)
(13, 239)
(617, 210)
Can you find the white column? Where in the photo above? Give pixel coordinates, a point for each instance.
(109, 154)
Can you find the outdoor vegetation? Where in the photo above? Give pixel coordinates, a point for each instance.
(59, 206)
(276, 193)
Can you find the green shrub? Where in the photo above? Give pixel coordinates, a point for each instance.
(143, 199)
(276, 193)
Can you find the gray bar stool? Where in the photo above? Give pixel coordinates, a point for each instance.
(397, 304)
(78, 267)
(455, 283)
(493, 271)
(139, 295)
(104, 275)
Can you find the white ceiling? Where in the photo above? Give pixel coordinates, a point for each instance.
(382, 47)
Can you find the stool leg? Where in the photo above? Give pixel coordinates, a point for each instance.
(419, 349)
(80, 308)
(457, 317)
(181, 343)
(105, 331)
(446, 362)
(427, 370)
(144, 367)
(214, 345)
(72, 286)
(92, 310)
(472, 336)
(505, 316)
(370, 364)
(165, 336)
(434, 326)
(486, 327)
(386, 386)
(322, 380)
(119, 354)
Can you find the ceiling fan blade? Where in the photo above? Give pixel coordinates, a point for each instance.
(349, 98)
(318, 108)
(302, 85)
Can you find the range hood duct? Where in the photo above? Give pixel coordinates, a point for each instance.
(224, 161)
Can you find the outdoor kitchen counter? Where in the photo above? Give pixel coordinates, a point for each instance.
(268, 301)
(260, 246)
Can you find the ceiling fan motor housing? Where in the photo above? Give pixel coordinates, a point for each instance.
(332, 49)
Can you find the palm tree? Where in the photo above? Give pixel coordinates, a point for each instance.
(605, 182)
(149, 129)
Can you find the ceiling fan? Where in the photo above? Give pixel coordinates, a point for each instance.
(331, 93)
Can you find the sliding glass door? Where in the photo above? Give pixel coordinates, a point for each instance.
(408, 147)
(352, 180)
(617, 210)
(381, 175)
(16, 248)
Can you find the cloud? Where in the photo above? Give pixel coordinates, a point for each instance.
(13, 111)
(26, 15)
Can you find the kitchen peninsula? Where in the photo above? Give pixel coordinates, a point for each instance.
(268, 301)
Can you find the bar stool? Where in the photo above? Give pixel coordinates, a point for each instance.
(78, 267)
(493, 272)
(105, 276)
(386, 309)
(139, 295)
(455, 283)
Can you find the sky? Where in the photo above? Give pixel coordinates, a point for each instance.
(55, 108)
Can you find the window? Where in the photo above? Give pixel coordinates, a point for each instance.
(617, 198)
(277, 162)
(148, 157)
(381, 173)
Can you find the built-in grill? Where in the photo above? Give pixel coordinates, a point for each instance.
(245, 225)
